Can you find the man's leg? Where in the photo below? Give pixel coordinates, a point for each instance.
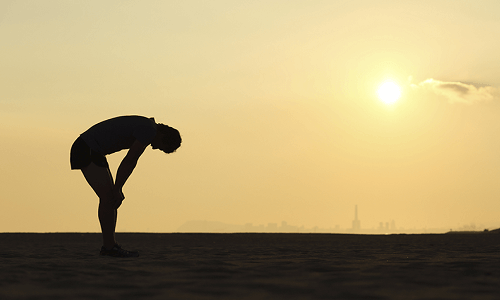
(101, 181)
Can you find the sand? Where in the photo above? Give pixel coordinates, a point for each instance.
(252, 266)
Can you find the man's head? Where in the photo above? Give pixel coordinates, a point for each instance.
(167, 138)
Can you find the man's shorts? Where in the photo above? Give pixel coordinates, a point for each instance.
(81, 156)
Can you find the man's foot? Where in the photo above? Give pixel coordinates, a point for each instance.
(117, 251)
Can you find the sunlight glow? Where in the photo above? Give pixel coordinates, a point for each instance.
(389, 92)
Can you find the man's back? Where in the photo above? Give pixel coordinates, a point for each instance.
(119, 133)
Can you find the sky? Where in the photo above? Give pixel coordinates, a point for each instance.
(277, 105)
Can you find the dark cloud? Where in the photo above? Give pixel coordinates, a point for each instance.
(461, 89)
(458, 91)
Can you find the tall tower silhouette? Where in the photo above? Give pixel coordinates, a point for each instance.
(356, 224)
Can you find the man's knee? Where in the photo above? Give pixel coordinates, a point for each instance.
(106, 202)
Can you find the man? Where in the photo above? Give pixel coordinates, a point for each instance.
(88, 154)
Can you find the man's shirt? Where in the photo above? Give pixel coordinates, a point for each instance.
(119, 133)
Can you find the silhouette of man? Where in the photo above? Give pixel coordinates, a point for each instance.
(88, 154)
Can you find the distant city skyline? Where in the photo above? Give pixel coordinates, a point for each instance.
(284, 227)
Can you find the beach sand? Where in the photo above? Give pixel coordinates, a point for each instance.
(252, 266)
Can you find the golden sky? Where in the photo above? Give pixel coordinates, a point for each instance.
(277, 105)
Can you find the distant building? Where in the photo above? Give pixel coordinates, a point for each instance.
(249, 227)
(272, 227)
(356, 224)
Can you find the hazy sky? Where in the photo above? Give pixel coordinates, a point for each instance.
(276, 103)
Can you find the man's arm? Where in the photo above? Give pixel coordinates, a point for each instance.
(125, 169)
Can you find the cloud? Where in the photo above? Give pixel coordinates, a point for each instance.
(458, 91)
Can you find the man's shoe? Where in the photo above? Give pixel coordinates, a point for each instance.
(117, 251)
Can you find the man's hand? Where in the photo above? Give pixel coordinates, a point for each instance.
(125, 169)
(118, 196)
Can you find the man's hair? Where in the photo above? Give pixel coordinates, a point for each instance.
(171, 139)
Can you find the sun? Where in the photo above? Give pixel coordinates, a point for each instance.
(389, 92)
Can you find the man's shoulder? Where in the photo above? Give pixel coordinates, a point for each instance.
(129, 119)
